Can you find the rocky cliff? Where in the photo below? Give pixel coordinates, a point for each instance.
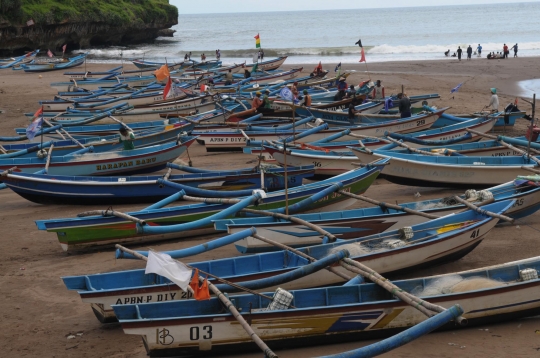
(31, 24)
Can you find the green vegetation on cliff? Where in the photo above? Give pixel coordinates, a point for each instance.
(111, 12)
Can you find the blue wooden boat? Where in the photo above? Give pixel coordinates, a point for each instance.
(143, 138)
(107, 129)
(97, 230)
(454, 171)
(141, 160)
(437, 241)
(53, 66)
(83, 190)
(491, 148)
(332, 314)
(17, 61)
(506, 118)
(143, 64)
(347, 224)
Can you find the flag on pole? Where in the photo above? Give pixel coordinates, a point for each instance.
(257, 41)
(338, 67)
(35, 125)
(203, 88)
(162, 73)
(64, 48)
(49, 53)
(255, 67)
(167, 89)
(286, 94)
(362, 53)
(455, 89)
(164, 265)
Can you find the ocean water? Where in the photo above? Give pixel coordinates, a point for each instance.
(397, 34)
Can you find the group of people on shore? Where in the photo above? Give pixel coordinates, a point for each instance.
(187, 56)
(503, 54)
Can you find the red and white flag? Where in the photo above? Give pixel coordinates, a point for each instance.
(362, 55)
(64, 48)
(49, 53)
(204, 88)
(167, 89)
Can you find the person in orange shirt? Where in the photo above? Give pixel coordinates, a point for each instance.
(257, 101)
(505, 51)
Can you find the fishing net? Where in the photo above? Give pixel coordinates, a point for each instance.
(454, 284)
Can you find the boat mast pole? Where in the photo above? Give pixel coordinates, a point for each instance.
(286, 178)
(533, 104)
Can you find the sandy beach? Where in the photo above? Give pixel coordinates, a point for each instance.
(38, 313)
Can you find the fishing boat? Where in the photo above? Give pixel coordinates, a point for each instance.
(143, 138)
(17, 61)
(103, 129)
(143, 64)
(334, 157)
(485, 148)
(506, 118)
(436, 241)
(83, 190)
(444, 171)
(53, 66)
(270, 77)
(332, 314)
(140, 160)
(348, 224)
(268, 65)
(223, 141)
(139, 98)
(75, 233)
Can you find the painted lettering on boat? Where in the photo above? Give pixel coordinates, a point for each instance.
(334, 195)
(171, 296)
(230, 140)
(163, 337)
(125, 164)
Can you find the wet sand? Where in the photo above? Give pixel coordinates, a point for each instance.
(38, 313)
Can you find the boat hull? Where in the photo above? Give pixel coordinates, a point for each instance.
(76, 234)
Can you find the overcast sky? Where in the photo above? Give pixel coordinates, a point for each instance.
(221, 6)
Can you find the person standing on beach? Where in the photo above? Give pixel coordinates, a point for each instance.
(505, 51)
(469, 52)
(378, 91)
(459, 51)
(189, 56)
(262, 54)
(404, 105)
(515, 48)
(479, 50)
(494, 101)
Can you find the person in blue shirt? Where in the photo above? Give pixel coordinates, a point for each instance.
(479, 50)
(515, 48)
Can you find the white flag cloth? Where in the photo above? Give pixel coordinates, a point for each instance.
(165, 266)
(255, 57)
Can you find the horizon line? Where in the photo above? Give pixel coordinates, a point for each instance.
(359, 8)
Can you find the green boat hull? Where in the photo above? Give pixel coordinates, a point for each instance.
(112, 231)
